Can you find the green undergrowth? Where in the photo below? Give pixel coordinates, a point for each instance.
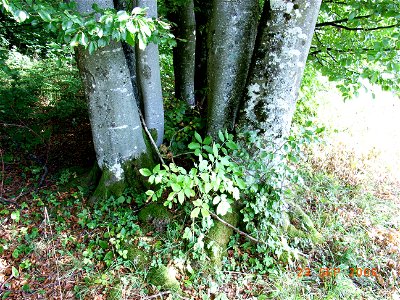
(129, 247)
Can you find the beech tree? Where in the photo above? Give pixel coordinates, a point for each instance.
(253, 60)
(240, 63)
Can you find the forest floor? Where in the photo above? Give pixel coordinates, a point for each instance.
(353, 197)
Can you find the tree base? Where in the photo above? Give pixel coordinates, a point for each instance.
(297, 218)
(220, 234)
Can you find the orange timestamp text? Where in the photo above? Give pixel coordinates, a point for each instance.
(333, 272)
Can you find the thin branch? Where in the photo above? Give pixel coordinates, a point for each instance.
(12, 202)
(151, 138)
(349, 50)
(329, 23)
(234, 228)
(362, 28)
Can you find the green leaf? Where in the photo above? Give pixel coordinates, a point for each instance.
(204, 212)
(120, 200)
(231, 145)
(198, 202)
(44, 15)
(236, 193)
(223, 208)
(203, 165)
(84, 39)
(149, 193)
(15, 253)
(187, 234)
(194, 145)
(221, 136)
(175, 187)
(208, 149)
(142, 41)
(181, 197)
(15, 215)
(109, 256)
(145, 172)
(102, 42)
(241, 183)
(14, 272)
(156, 169)
(195, 213)
(145, 29)
(188, 192)
(207, 140)
(198, 137)
(216, 200)
(92, 47)
(67, 24)
(122, 16)
(21, 15)
(207, 187)
(103, 244)
(215, 150)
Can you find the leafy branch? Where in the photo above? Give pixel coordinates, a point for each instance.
(93, 30)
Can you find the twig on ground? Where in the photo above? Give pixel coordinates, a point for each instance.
(12, 202)
(158, 295)
(2, 174)
(47, 222)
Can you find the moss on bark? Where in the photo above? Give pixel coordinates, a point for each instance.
(164, 277)
(220, 234)
(109, 185)
(296, 218)
(156, 216)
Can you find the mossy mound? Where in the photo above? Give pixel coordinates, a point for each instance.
(140, 258)
(115, 292)
(219, 236)
(155, 215)
(295, 218)
(164, 277)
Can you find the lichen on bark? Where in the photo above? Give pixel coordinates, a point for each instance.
(284, 37)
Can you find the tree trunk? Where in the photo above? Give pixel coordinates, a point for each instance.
(184, 52)
(283, 42)
(114, 116)
(149, 79)
(130, 52)
(202, 10)
(231, 41)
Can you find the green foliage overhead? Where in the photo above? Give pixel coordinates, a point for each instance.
(93, 30)
(358, 39)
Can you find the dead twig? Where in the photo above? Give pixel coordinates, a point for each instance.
(47, 222)
(151, 138)
(234, 228)
(12, 202)
(158, 295)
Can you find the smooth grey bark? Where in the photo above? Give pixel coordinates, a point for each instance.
(283, 42)
(149, 80)
(232, 35)
(130, 52)
(202, 10)
(184, 52)
(114, 116)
